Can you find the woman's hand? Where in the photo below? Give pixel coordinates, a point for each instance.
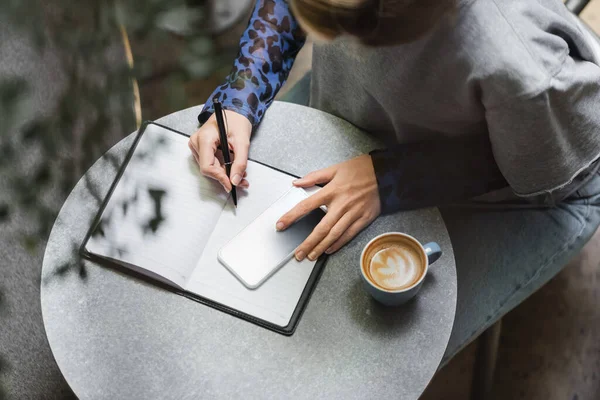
(205, 141)
(352, 199)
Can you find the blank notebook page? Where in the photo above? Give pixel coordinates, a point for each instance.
(276, 299)
(162, 211)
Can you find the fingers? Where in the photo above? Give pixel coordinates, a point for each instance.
(323, 237)
(301, 209)
(332, 233)
(353, 230)
(194, 153)
(204, 144)
(205, 149)
(240, 147)
(316, 178)
(244, 184)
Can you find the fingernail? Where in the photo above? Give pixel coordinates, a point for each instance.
(329, 251)
(296, 181)
(300, 256)
(312, 256)
(279, 226)
(237, 178)
(225, 187)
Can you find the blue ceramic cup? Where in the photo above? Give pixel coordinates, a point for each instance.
(420, 255)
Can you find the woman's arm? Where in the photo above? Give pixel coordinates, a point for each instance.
(268, 48)
(403, 177)
(267, 51)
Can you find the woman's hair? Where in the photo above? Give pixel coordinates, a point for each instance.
(372, 22)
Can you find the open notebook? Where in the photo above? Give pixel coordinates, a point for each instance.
(164, 220)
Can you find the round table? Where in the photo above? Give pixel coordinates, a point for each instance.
(117, 337)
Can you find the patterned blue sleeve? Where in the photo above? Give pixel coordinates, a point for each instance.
(268, 48)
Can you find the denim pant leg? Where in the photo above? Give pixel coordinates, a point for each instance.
(503, 256)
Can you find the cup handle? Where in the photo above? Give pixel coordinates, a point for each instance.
(433, 251)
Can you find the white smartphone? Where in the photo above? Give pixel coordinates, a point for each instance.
(259, 250)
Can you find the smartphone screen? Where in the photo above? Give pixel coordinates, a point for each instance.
(259, 250)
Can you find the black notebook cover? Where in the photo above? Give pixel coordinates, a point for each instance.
(285, 330)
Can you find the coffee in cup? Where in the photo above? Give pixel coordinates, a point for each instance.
(393, 266)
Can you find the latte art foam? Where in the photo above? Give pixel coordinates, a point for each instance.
(396, 267)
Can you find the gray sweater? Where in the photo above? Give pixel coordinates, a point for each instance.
(522, 75)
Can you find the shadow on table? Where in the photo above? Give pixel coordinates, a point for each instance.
(429, 281)
(146, 198)
(377, 319)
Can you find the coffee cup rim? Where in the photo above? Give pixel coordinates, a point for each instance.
(406, 235)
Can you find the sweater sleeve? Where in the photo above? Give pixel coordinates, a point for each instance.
(427, 174)
(543, 145)
(268, 49)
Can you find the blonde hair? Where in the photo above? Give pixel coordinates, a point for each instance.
(372, 22)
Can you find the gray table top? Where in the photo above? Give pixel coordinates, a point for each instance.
(116, 337)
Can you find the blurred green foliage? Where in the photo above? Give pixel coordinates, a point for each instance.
(96, 93)
(44, 152)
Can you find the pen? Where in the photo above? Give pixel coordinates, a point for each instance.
(224, 144)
